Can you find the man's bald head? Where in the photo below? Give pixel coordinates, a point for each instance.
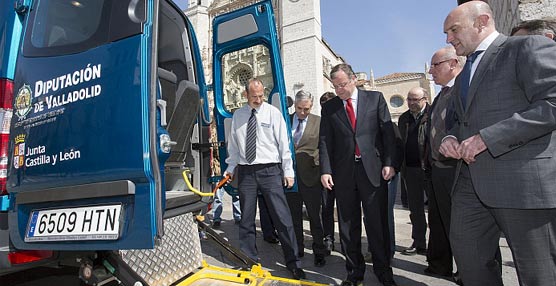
(468, 25)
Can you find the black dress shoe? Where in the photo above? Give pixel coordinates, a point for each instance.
(319, 260)
(387, 278)
(351, 283)
(297, 273)
(272, 240)
(457, 279)
(216, 224)
(389, 283)
(414, 250)
(432, 272)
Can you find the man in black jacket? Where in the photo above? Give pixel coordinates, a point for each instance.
(412, 124)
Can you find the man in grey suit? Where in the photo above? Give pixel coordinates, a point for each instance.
(357, 144)
(305, 135)
(505, 106)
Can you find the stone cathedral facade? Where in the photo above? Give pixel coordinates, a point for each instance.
(307, 58)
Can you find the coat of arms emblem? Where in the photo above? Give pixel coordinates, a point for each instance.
(23, 102)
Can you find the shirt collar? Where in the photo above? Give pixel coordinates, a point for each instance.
(451, 82)
(354, 95)
(487, 41)
(295, 118)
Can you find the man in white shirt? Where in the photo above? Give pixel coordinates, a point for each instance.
(258, 151)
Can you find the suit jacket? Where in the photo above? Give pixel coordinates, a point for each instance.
(398, 158)
(374, 135)
(512, 104)
(307, 152)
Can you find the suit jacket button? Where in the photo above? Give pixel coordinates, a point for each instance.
(465, 124)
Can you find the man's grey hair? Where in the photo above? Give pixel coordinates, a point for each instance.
(537, 27)
(424, 91)
(303, 95)
(450, 53)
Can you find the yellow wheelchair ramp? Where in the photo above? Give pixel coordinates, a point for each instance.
(217, 276)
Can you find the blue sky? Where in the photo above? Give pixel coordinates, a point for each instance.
(387, 36)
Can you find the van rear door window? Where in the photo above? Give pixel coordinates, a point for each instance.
(59, 27)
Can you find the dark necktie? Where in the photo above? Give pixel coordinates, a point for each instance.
(251, 138)
(466, 77)
(351, 115)
(297, 134)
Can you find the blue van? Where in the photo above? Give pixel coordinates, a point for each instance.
(106, 140)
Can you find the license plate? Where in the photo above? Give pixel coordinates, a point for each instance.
(83, 223)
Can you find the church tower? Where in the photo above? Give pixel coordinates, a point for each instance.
(198, 14)
(302, 54)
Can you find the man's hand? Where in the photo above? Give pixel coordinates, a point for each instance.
(449, 148)
(326, 181)
(229, 175)
(288, 182)
(388, 172)
(471, 147)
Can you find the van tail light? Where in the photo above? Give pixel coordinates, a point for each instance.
(28, 256)
(6, 111)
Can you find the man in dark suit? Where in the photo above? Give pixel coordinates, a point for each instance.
(357, 144)
(445, 66)
(505, 106)
(305, 135)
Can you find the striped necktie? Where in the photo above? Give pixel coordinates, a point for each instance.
(297, 134)
(251, 138)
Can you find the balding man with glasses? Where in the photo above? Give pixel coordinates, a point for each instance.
(413, 125)
(440, 171)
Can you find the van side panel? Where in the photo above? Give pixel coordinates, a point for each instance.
(84, 126)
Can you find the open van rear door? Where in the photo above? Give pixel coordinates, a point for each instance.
(97, 88)
(245, 45)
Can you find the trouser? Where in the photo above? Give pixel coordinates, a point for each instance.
(415, 179)
(439, 251)
(351, 195)
(312, 198)
(217, 205)
(475, 233)
(266, 179)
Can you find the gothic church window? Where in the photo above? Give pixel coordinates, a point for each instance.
(240, 66)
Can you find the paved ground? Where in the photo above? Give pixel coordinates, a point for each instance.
(408, 270)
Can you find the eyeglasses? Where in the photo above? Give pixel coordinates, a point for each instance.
(433, 65)
(415, 99)
(341, 85)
